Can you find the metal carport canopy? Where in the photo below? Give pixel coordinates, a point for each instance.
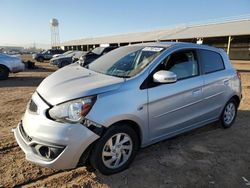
(228, 28)
(123, 38)
(234, 28)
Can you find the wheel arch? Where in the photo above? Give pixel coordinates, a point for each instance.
(237, 99)
(135, 126)
(5, 66)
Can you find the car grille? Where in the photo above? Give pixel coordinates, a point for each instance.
(24, 134)
(32, 106)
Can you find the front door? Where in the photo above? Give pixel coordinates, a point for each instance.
(176, 106)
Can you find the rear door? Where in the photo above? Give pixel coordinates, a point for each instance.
(216, 82)
(175, 107)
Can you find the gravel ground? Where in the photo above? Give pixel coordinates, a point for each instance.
(207, 157)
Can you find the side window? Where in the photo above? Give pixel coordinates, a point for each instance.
(107, 50)
(211, 61)
(184, 64)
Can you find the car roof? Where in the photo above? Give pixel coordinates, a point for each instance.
(178, 44)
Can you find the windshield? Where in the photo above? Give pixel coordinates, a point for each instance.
(46, 52)
(68, 52)
(125, 61)
(98, 50)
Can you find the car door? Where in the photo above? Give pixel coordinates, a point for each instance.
(47, 55)
(216, 82)
(176, 106)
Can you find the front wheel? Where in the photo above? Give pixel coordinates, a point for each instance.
(229, 113)
(4, 72)
(40, 59)
(62, 64)
(115, 151)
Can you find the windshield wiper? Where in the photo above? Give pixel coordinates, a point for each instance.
(119, 76)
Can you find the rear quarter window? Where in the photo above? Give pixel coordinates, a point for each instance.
(211, 61)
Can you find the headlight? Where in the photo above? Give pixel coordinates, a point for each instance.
(54, 62)
(73, 111)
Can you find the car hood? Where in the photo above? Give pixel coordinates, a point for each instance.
(9, 58)
(61, 57)
(73, 82)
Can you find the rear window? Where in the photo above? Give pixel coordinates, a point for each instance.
(211, 61)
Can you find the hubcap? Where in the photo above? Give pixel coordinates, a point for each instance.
(1, 72)
(229, 113)
(117, 150)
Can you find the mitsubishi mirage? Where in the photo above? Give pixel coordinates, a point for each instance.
(129, 98)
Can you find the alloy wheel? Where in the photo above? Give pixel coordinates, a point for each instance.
(229, 113)
(117, 150)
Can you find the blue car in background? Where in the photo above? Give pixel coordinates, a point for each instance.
(9, 64)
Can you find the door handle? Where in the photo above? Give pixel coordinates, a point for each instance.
(226, 82)
(197, 92)
(140, 107)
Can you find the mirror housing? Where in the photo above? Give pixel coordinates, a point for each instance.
(164, 77)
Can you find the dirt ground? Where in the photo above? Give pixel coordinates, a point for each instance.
(207, 157)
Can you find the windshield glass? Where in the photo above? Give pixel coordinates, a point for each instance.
(47, 52)
(98, 50)
(125, 61)
(68, 52)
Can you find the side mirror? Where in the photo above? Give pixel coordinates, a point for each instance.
(81, 60)
(165, 77)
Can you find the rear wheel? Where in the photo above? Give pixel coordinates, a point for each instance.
(4, 72)
(229, 113)
(115, 151)
(40, 59)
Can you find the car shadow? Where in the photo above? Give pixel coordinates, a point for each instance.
(243, 71)
(194, 156)
(43, 69)
(22, 81)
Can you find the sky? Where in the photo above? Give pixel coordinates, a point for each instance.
(25, 22)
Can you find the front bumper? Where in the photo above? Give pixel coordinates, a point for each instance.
(18, 68)
(73, 139)
(54, 62)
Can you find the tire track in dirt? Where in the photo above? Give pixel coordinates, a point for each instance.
(32, 181)
(17, 170)
(5, 149)
(78, 177)
(7, 140)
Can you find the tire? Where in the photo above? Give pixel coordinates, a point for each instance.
(228, 116)
(123, 153)
(40, 59)
(62, 64)
(4, 72)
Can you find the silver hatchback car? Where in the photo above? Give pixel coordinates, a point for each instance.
(129, 98)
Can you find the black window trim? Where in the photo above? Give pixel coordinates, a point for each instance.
(145, 85)
(201, 64)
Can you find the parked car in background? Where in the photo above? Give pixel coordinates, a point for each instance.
(66, 58)
(12, 52)
(95, 53)
(65, 53)
(47, 54)
(129, 98)
(9, 64)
